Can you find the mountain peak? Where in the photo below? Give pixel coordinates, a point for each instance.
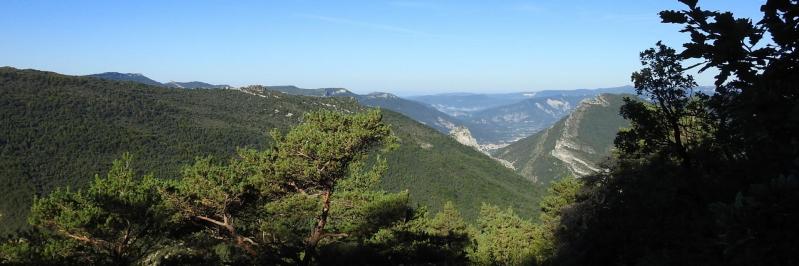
(385, 95)
(134, 77)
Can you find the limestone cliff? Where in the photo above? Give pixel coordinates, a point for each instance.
(576, 145)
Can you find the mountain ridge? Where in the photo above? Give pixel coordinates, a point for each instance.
(418, 111)
(474, 102)
(576, 145)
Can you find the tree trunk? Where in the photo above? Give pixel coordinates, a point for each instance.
(239, 240)
(681, 151)
(673, 119)
(318, 231)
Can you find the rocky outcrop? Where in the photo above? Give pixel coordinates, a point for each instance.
(574, 146)
(568, 149)
(464, 136)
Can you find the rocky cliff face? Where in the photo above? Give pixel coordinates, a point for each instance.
(575, 145)
(569, 148)
(464, 136)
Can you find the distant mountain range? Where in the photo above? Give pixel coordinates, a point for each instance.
(497, 120)
(135, 77)
(418, 111)
(486, 122)
(509, 123)
(465, 104)
(483, 121)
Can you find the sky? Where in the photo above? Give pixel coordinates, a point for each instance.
(403, 47)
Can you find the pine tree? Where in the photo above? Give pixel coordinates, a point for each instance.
(502, 238)
(266, 199)
(314, 156)
(118, 220)
(560, 195)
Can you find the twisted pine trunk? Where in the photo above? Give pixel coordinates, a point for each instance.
(319, 230)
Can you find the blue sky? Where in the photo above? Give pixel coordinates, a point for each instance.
(405, 47)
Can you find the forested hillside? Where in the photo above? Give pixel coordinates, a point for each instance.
(62, 130)
(310, 199)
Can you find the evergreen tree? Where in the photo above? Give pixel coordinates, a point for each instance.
(264, 200)
(502, 238)
(314, 156)
(560, 195)
(216, 197)
(452, 231)
(119, 219)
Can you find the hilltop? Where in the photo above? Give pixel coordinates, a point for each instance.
(140, 78)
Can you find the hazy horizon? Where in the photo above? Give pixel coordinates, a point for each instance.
(402, 47)
(412, 94)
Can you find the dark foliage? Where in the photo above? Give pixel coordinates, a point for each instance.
(727, 195)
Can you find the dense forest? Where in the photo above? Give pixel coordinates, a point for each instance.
(313, 197)
(695, 179)
(63, 130)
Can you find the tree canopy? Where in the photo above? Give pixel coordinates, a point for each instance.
(701, 179)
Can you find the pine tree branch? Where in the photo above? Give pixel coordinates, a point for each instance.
(210, 220)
